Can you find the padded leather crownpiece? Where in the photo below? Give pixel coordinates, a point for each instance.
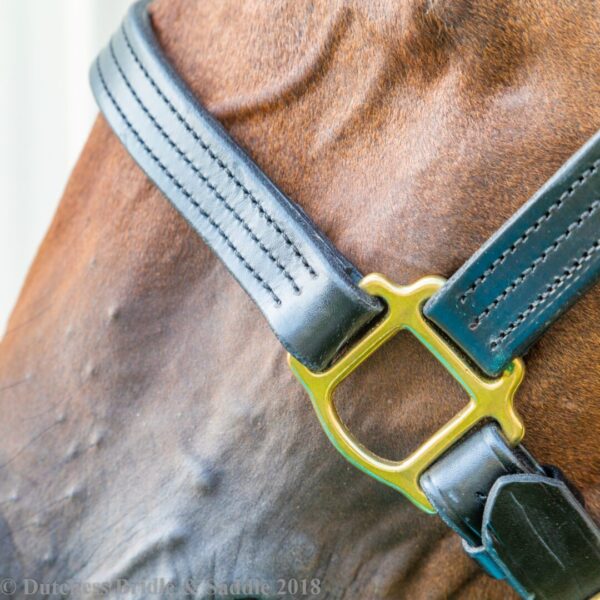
(536, 266)
(306, 289)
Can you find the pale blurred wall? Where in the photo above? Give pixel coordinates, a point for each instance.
(46, 111)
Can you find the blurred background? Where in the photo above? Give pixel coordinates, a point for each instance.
(46, 111)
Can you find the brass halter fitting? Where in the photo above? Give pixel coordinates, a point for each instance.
(489, 399)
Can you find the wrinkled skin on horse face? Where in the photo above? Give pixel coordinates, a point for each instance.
(150, 427)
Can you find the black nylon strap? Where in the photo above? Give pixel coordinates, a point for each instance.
(530, 271)
(305, 288)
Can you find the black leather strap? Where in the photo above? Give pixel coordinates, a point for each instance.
(521, 522)
(536, 266)
(458, 483)
(305, 288)
(542, 538)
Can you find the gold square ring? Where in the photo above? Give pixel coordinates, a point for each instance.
(488, 398)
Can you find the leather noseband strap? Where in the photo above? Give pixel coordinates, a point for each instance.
(522, 522)
(305, 288)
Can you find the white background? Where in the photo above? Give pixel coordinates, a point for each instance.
(46, 111)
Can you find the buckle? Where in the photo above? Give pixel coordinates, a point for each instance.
(488, 398)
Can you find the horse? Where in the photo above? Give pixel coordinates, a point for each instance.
(150, 426)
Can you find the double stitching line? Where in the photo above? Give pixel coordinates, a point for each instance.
(204, 178)
(586, 214)
(579, 181)
(578, 265)
(185, 192)
(222, 165)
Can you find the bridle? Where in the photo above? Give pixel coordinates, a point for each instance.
(522, 522)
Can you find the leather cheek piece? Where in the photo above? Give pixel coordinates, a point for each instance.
(306, 289)
(517, 522)
(541, 537)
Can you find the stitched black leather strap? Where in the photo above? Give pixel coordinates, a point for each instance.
(530, 271)
(305, 288)
(521, 522)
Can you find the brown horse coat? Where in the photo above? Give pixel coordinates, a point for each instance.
(150, 426)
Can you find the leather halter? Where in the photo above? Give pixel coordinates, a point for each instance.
(522, 522)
